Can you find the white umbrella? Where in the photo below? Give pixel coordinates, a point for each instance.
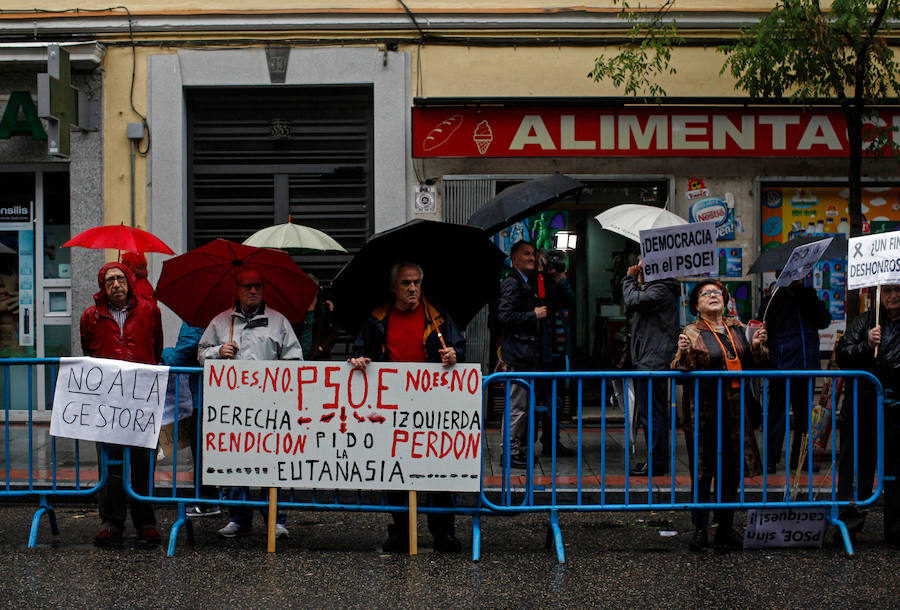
(630, 219)
(289, 236)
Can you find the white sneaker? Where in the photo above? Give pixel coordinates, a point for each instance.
(281, 531)
(233, 530)
(203, 511)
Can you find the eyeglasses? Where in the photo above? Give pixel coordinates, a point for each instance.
(251, 286)
(710, 293)
(121, 279)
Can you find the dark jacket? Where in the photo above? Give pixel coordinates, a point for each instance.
(519, 324)
(793, 322)
(371, 342)
(654, 323)
(853, 352)
(141, 338)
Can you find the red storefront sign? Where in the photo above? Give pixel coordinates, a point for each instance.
(633, 132)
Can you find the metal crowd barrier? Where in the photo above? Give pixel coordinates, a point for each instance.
(41, 474)
(316, 499)
(616, 491)
(32, 469)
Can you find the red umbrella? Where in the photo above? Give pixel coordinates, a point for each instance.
(199, 284)
(119, 237)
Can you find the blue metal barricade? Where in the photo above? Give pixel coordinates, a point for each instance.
(37, 465)
(43, 467)
(163, 492)
(615, 490)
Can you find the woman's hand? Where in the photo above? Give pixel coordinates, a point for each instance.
(684, 344)
(874, 337)
(759, 337)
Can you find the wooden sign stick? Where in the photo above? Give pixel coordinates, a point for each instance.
(413, 524)
(877, 312)
(273, 516)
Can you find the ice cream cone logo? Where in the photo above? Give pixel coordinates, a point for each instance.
(483, 136)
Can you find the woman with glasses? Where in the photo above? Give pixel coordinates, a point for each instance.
(716, 341)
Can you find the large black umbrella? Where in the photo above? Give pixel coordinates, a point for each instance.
(523, 200)
(775, 258)
(461, 266)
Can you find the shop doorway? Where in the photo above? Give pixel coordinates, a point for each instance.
(35, 278)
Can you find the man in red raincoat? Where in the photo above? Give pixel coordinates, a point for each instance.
(121, 326)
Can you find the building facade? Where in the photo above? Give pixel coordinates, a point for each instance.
(216, 120)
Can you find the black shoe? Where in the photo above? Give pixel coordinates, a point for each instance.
(395, 543)
(726, 539)
(639, 470)
(447, 543)
(516, 460)
(700, 540)
(561, 450)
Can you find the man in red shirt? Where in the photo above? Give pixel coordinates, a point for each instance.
(406, 330)
(121, 326)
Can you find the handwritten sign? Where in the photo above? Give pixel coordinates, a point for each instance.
(785, 527)
(111, 401)
(801, 262)
(678, 251)
(325, 425)
(873, 260)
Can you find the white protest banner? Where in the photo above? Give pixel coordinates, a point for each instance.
(801, 262)
(111, 401)
(680, 250)
(873, 260)
(785, 527)
(326, 425)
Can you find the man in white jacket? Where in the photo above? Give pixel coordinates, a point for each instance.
(249, 331)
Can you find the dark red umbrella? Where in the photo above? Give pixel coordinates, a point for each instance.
(199, 284)
(119, 237)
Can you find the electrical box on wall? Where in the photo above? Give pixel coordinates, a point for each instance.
(426, 199)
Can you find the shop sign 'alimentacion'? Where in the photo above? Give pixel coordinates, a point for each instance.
(579, 132)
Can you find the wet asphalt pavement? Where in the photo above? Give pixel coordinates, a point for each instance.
(334, 560)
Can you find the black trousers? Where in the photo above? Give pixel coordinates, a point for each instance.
(206, 491)
(866, 447)
(660, 410)
(112, 499)
(439, 524)
(779, 401)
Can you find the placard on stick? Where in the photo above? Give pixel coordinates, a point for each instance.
(111, 401)
(801, 262)
(302, 425)
(873, 260)
(678, 251)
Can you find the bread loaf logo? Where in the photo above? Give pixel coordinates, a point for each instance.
(483, 136)
(442, 132)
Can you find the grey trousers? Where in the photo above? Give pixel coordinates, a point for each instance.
(518, 416)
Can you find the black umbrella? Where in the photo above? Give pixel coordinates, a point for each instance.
(461, 266)
(775, 258)
(523, 200)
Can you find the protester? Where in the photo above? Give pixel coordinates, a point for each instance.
(249, 331)
(410, 329)
(317, 332)
(519, 313)
(185, 354)
(856, 350)
(554, 339)
(793, 321)
(717, 342)
(121, 326)
(137, 262)
(654, 334)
